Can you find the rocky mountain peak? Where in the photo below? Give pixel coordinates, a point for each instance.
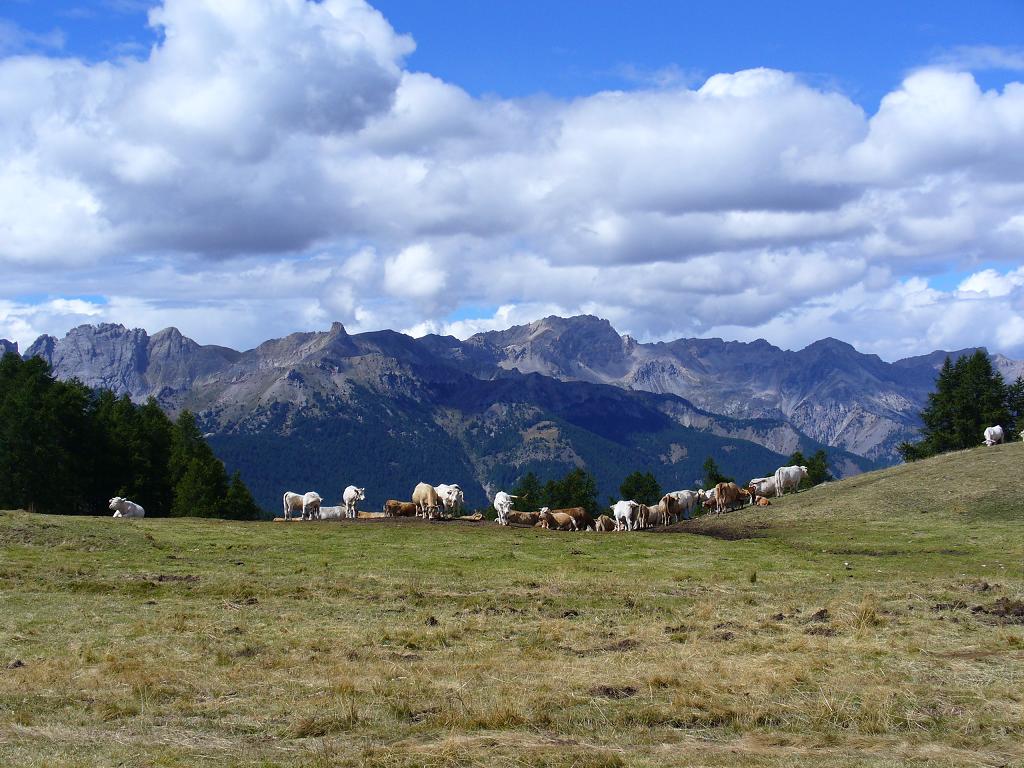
(8, 346)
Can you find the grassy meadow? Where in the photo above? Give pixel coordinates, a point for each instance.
(871, 622)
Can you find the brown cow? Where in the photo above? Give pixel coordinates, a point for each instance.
(729, 495)
(762, 501)
(583, 519)
(560, 521)
(604, 523)
(396, 508)
(523, 518)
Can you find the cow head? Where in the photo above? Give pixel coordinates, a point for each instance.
(115, 502)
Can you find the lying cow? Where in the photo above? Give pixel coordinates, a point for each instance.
(559, 521)
(124, 508)
(351, 497)
(762, 501)
(512, 517)
(994, 435)
(396, 508)
(604, 523)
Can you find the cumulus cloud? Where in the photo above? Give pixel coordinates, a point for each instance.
(271, 167)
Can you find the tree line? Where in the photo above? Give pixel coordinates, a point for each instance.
(578, 488)
(67, 449)
(969, 396)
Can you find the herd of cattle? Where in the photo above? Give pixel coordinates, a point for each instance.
(447, 500)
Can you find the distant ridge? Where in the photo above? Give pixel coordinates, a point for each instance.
(322, 409)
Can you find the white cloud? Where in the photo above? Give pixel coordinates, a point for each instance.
(270, 167)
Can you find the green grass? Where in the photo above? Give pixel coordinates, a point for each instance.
(188, 642)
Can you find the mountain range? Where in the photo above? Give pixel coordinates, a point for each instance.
(382, 409)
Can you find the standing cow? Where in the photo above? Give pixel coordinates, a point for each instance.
(424, 496)
(351, 497)
(788, 477)
(625, 513)
(502, 505)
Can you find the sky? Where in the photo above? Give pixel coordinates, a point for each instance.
(243, 170)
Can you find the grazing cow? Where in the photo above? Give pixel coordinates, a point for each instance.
(512, 517)
(762, 501)
(604, 523)
(761, 486)
(425, 498)
(124, 508)
(503, 505)
(351, 497)
(560, 521)
(994, 435)
(625, 514)
(396, 508)
(726, 496)
(688, 500)
(451, 497)
(292, 504)
(584, 521)
(311, 505)
(788, 477)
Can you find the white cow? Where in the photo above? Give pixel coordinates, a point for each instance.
(451, 497)
(351, 497)
(292, 503)
(125, 508)
(688, 500)
(308, 503)
(502, 505)
(994, 435)
(311, 505)
(788, 477)
(761, 486)
(625, 514)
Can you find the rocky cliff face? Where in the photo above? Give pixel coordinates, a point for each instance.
(8, 347)
(828, 391)
(325, 409)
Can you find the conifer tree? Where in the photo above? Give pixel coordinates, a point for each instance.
(642, 487)
(713, 475)
(969, 396)
(529, 493)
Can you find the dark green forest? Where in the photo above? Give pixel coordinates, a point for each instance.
(67, 449)
(969, 396)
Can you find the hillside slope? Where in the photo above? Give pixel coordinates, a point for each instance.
(874, 623)
(964, 504)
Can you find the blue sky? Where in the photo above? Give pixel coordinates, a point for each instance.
(566, 48)
(455, 166)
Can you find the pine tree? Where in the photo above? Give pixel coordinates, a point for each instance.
(200, 482)
(529, 493)
(642, 487)
(969, 396)
(239, 503)
(577, 489)
(713, 475)
(817, 468)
